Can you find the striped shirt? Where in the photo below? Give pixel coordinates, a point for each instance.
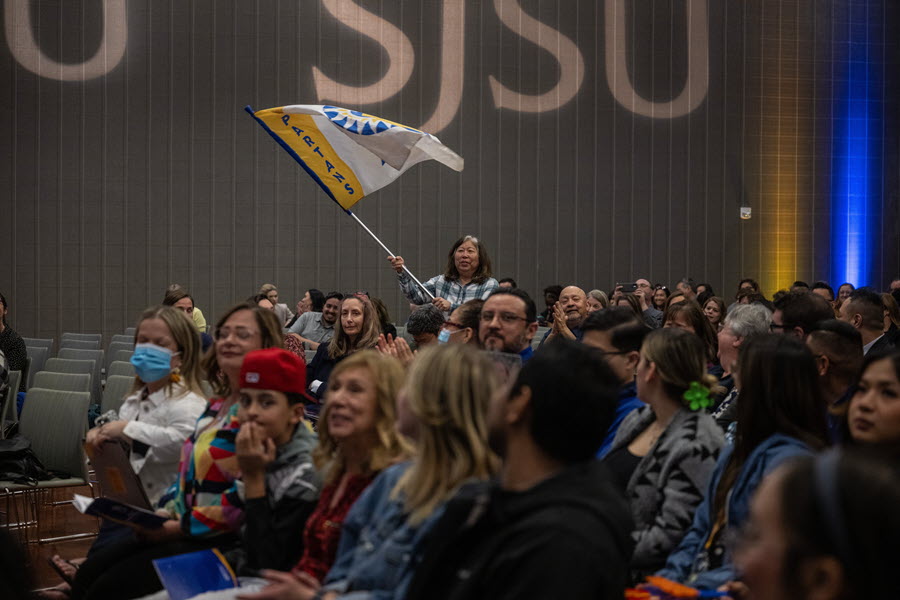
(452, 291)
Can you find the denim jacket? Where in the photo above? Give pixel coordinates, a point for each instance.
(685, 563)
(379, 550)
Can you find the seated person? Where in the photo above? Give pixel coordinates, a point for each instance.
(155, 419)
(314, 328)
(443, 407)
(424, 325)
(553, 525)
(274, 451)
(205, 503)
(665, 452)
(618, 334)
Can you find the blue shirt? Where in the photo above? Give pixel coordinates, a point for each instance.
(379, 549)
(628, 401)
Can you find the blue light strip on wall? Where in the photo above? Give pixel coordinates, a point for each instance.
(856, 159)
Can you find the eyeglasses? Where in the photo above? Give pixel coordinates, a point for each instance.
(241, 333)
(452, 324)
(505, 318)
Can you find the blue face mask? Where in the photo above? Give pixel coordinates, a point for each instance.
(152, 362)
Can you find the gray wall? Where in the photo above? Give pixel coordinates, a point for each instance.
(128, 162)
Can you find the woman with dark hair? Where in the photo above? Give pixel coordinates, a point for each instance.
(873, 417)
(780, 416)
(688, 316)
(463, 324)
(357, 328)
(11, 344)
(665, 452)
(384, 317)
(467, 276)
(822, 528)
(660, 296)
(714, 309)
(205, 504)
(180, 299)
(631, 302)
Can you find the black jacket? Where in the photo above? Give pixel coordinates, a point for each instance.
(567, 537)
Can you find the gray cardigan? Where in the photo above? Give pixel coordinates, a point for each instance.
(669, 482)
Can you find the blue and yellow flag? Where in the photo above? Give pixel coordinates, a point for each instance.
(349, 153)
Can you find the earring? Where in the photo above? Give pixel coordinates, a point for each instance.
(175, 375)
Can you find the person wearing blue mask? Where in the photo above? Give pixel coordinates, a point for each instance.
(157, 416)
(165, 401)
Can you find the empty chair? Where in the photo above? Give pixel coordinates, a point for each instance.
(119, 337)
(38, 358)
(64, 382)
(79, 344)
(82, 336)
(130, 331)
(115, 347)
(55, 422)
(120, 367)
(94, 355)
(122, 355)
(39, 343)
(68, 365)
(9, 414)
(115, 392)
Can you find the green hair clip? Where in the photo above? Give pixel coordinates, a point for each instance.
(697, 396)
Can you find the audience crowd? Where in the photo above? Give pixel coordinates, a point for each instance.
(484, 449)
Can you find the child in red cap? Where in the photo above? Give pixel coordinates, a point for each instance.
(274, 450)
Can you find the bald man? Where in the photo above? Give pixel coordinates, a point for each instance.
(568, 315)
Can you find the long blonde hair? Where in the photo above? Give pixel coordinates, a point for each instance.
(449, 390)
(187, 340)
(389, 445)
(341, 344)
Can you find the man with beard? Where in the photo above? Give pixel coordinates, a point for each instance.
(314, 328)
(568, 315)
(508, 323)
(553, 524)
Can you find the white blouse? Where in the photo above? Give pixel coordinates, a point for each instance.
(163, 423)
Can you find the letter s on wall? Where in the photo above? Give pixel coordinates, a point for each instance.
(564, 50)
(697, 84)
(20, 37)
(401, 57)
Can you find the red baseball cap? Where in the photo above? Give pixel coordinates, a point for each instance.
(274, 369)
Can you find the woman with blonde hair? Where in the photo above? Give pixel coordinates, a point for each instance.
(665, 452)
(357, 328)
(156, 417)
(443, 408)
(205, 503)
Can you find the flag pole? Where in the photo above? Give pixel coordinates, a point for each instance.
(386, 249)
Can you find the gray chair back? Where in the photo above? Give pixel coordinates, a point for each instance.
(120, 367)
(82, 336)
(9, 414)
(115, 392)
(119, 337)
(79, 344)
(39, 343)
(130, 331)
(310, 354)
(94, 355)
(115, 347)
(63, 382)
(55, 422)
(122, 355)
(68, 365)
(38, 357)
